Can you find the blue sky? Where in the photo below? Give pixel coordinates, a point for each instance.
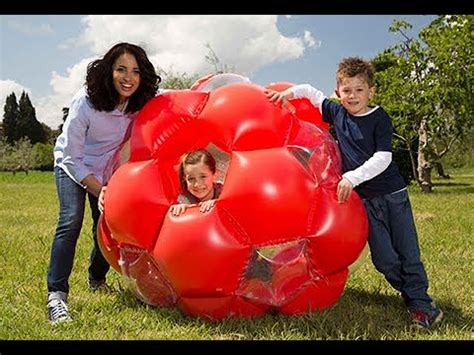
(46, 55)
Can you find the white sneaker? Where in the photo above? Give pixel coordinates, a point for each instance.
(57, 308)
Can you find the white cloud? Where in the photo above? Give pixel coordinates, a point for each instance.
(49, 108)
(29, 29)
(244, 42)
(310, 41)
(9, 86)
(6, 88)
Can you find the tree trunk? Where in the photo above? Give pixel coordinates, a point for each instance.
(424, 166)
(440, 170)
(412, 161)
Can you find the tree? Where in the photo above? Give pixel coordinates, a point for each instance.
(50, 134)
(16, 157)
(42, 157)
(450, 39)
(29, 126)
(214, 60)
(179, 81)
(65, 111)
(11, 118)
(425, 87)
(53, 134)
(176, 81)
(462, 153)
(405, 140)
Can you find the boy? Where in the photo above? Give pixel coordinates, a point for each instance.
(364, 136)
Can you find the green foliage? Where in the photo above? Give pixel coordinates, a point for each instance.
(23, 156)
(173, 80)
(16, 157)
(19, 120)
(43, 156)
(29, 126)
(451, 61)
(426, 84)
(176, 81)
(65, 111)
(462, 153)
(11, 119)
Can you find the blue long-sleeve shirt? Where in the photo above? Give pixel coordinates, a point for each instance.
(90, 138)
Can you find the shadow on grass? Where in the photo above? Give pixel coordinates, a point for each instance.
(451, 184)
(357, 315)
(457, 188)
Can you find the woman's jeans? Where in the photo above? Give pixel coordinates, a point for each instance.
(394, 247)
(72, 199)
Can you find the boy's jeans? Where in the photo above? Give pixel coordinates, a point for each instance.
(71, 214)
(394, 247)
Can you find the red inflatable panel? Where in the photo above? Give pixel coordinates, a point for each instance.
(276, 239)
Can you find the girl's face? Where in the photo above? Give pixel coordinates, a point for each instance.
(126, 76)
(199, 180)
(355, 94)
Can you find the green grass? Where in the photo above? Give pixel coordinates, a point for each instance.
(368, 309)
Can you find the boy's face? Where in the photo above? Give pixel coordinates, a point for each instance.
(199, 181)
(355, 94)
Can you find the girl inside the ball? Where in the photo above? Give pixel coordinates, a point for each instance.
(197, 177)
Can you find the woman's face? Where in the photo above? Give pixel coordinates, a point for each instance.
(199, 180)
(126, 76)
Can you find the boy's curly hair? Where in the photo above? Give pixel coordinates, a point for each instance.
(352, 66)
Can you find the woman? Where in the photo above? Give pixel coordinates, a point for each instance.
(117, 87)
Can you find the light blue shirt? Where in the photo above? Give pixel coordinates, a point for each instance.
(90, 138)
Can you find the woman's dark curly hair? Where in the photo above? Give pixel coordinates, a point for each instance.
(99, 79)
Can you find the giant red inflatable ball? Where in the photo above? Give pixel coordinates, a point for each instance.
(277, 238)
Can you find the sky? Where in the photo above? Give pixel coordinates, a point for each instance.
(47, 55)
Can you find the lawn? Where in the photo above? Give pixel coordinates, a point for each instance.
(368, 309)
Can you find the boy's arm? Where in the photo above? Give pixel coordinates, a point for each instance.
(307, 91)
(315, 96)
(374, 166)
(327, 108)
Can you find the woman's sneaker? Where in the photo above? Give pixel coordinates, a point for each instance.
(425, 319)
(57, 308)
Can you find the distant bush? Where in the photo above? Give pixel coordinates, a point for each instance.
(43, 157)
(22, 156)
(462, 154)
(16, 157)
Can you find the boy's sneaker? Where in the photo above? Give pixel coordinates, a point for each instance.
(99, 286)
(57, 308)
(425, 319)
